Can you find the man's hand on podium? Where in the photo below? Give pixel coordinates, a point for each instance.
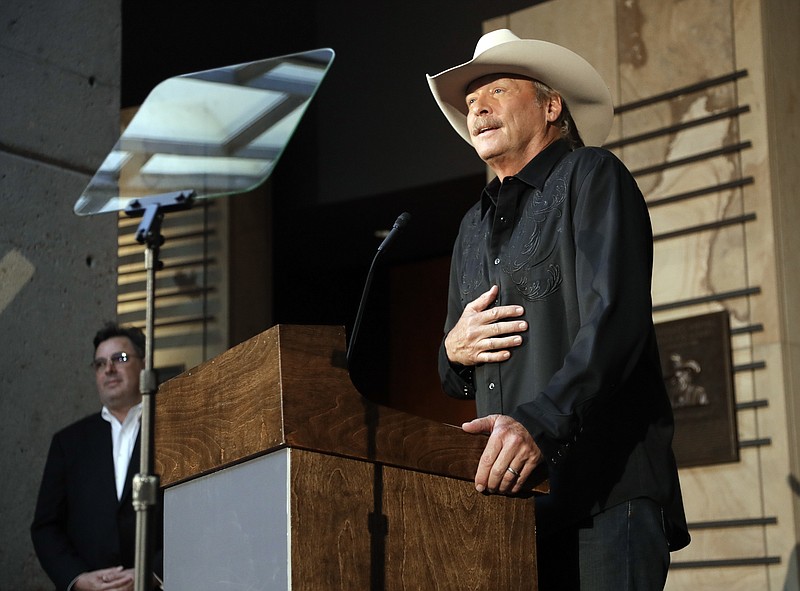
(510, 455)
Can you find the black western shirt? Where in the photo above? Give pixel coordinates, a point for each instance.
(569, 239)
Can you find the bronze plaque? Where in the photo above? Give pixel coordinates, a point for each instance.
(698, 374)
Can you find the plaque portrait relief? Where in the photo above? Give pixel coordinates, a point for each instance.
(698, 374)
(681, 386)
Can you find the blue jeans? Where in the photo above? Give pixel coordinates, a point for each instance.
(621, 549)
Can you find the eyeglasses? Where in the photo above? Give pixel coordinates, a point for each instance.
(100, 363)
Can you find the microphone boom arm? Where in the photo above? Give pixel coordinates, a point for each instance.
(401, 221)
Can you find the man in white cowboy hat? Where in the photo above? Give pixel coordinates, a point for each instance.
(549, 321)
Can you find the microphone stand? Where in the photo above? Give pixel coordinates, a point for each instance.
(145, 483)
(378, 524)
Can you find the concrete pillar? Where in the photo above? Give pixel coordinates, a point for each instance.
(59, 91)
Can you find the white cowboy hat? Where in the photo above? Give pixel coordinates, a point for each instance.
(502, 52)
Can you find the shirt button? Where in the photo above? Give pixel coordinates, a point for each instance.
(491, 385)
(497, 261)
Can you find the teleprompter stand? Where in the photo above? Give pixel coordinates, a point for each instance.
(219, 132)
(146, 483)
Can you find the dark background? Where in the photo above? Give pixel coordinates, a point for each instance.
(372, 145)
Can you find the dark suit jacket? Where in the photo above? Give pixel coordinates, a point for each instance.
(79, 525)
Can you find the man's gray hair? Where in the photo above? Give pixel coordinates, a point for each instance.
(565, 122)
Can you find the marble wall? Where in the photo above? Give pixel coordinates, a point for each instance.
(704, 158)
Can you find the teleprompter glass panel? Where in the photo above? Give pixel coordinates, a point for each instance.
(215, 132)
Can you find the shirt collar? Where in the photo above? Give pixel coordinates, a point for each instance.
(534, 173)
(133, 414)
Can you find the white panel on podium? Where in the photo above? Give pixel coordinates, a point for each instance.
(229, 531)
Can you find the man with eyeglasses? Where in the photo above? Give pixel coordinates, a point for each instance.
(84, 527)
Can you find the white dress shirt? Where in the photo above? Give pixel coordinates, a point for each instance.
(123, 438)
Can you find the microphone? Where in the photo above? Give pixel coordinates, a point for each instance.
(399, 224)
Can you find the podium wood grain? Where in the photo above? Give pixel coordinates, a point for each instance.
(431, 532)
(377, 498)
(289, 387)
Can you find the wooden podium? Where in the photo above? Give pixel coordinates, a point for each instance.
(280, 475)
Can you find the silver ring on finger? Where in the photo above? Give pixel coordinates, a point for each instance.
(514, 472)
